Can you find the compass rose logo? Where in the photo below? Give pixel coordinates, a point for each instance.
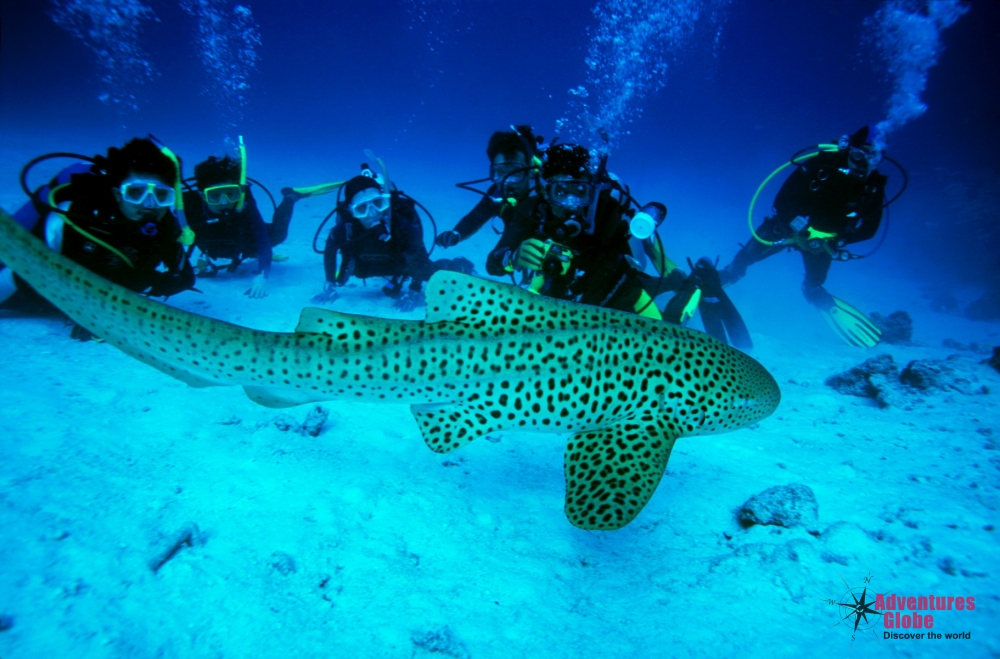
(856, 608)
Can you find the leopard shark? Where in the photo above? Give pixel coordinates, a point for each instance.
(488, 357)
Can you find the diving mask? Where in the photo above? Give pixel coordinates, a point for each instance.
(148, 194)
(219, 195)
(861, 160)
(508, 172)
(370, 206)
(570, 194)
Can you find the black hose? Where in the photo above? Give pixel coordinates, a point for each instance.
(48, 156)
(429, 216)
(274, 206)
(906, 181)
(467, 185)
(320, 228)
(325, 220)
(43, 203)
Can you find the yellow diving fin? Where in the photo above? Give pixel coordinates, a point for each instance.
(851, 325)
(317, 190)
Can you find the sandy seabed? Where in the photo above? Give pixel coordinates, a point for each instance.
(361, 542)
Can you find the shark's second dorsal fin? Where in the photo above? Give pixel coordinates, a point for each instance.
(321, 321)
(333, 323)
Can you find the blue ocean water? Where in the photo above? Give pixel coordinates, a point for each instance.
(736, 87)
(699, 100)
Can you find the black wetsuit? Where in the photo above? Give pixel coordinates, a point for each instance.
(599, 272)
(833, 202)
(238, 235)
(158, 266)
(487, 208)
(398, 254)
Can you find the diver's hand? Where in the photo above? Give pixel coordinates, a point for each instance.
(328, 296)
(169, 283)
(448, 238)
(258, 289)
(408, 301)
(530, 255)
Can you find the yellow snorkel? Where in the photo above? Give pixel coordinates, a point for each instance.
(820, 148)
(243, 176)
(187, 235)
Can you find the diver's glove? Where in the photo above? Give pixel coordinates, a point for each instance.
(533, 254)
(448, 238)
(328, 296)
(528, 256)
(171, 283)
(408, 301)
(258, 288)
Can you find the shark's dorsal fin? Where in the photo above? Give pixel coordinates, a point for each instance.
(457, 298)
(497, 308)
(321, 321)
(611, 473)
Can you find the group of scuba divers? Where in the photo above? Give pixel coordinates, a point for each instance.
(571, 230)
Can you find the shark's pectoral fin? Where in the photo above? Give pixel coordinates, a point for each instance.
(446, 427)
(612, 473)
(275, 397)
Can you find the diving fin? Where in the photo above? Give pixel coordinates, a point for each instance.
(851, 325)
(718, 313)
(312, 190)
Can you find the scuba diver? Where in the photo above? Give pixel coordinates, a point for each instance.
(223, 213)
(834, 198)
(378, 233)
(583, 237)
(514, 160)
(120, 216)
(573, 238)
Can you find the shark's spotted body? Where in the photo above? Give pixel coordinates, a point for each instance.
(488, 357)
